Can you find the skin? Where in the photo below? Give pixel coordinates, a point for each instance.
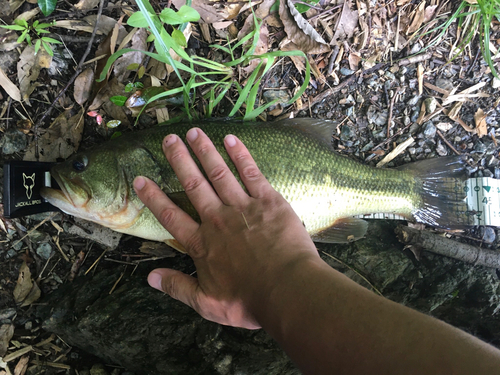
(257, 267)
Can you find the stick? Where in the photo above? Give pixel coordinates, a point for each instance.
(447, 247)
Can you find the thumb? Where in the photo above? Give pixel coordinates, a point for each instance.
(176, 284)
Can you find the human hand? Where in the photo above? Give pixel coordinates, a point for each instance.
(245, 241)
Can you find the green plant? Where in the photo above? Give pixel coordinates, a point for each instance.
(473, 19)
(30, 32)
(201, 71)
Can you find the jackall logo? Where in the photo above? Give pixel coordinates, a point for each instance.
(29, 183)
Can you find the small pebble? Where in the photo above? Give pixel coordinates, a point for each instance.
(495, 83)
(429, 130)
(444, 84)
(480, 147)
(441, 150)
(430, 104)
(11, 253)
(414, 115)
(44, 250)
(98, 369)
(346, 72)
(13, 141)
(7, 313)
(415, 49)
(487, 173)
(497, 173)
(389, 75)
(488, 234)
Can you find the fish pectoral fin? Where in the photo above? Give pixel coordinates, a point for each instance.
(176, 245)
(342, 231)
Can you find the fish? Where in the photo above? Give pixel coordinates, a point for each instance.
(325, 189)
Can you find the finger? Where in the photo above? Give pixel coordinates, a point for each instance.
(178, 223)
(198, 189)
(176, 284)
(223, 180)
(255, 182)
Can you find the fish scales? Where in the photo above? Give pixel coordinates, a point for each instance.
(296, 156)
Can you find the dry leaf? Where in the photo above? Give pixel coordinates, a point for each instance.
(114, 112)
(261, 48)
(9, 87)
(60, 140)
(354, 60)
(213, 12)
(418, 18)
(86, 4)
(32, 296)
(346, 24)
(106, 24)
(28, 69)
(429, 13)
(24, 284)
(6, 333)
(480, 120)
(299, 31)
(158, 249)
(83, 86)
(299, 62)
(27, 16)
(121, 64)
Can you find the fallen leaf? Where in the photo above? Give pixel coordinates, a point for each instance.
(60, 140)
(158, 249)
(83, 86)
(6, 333)
(28, 70)
(213, 12)
(106, 24)
(346, 24)
(299, 31)
(299, 62)
(429, 13)
(354, 60)
(30, 14)
(9, 87)
(480, 120)
(24, 284)
(76, 265)
(418, 18)
(86, 4)
(138, 42)
(260, 48)
(32, 296)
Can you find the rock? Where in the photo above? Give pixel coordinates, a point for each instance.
(150, 333)
(345, 133)
(488, 234)
(346, 72)
(441, 150)
(281, 96)
(7, 313)
(13, 141)
(430, 104)
(98, 369)
(414, 115)
(444, 84)
(38, 236)
(414, 100)
(429, 130)
(389, 75)
(44, 250)
(495, 83)
(378, 118)
(480, 147)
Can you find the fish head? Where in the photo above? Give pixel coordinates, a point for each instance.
(94, 186)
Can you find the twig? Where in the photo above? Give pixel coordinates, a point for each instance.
(35, 228)
(447, 143)
(448, 247)
(389, 118)
(116, 282)
(96, 261)
(415, 59)
(71, 80)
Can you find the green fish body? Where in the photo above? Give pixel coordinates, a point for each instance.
(325, 189)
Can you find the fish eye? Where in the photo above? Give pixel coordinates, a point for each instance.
(80, 163)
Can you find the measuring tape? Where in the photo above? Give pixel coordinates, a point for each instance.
(483, 202)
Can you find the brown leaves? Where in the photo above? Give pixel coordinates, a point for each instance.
(6, 333)
(480, 120)
(28, 69)
(299, 31)
(26, 291)
(60, 140)
(9, 87)
(83, 86)
(346, 24)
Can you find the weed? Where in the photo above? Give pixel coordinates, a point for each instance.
(28, 33)
(201, 71)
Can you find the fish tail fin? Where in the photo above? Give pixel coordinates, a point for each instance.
(440, 187)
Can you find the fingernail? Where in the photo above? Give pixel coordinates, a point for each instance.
(192, 134)
(154, 280)
(139, 183)
(170, 140)
(230, 140)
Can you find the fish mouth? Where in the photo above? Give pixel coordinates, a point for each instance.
(71, 198)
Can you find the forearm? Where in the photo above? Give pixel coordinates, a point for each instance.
(326, 322)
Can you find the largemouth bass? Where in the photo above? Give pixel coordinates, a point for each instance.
(325, 189)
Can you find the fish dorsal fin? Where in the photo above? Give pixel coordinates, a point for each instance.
(343, 231)
(321, 130)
